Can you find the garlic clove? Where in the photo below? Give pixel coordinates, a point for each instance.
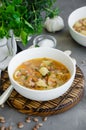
(54, 24)
(60, 22)
(48, 24)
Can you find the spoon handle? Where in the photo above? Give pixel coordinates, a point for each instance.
(6, 94)
(0, 73)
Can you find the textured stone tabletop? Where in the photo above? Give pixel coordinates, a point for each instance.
(75, 118)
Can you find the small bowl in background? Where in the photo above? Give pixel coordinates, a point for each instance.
(44, 41)
(74, 17)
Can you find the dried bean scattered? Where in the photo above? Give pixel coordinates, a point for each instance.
(35, 119)
(37, 126)
(20, 125)
(28, 120)
(10, 128)
(34, 128)
(2, 106)
(45, 119)
(2, 128)
(40, 124)
(2, 119)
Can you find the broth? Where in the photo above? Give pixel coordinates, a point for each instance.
(41, 74)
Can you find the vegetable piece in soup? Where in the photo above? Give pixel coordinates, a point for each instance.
(41, 74)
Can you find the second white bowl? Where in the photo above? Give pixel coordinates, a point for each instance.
(74, 17)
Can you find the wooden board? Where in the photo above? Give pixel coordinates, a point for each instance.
(56, 106)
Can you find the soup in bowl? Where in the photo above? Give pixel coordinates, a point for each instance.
(41, 73)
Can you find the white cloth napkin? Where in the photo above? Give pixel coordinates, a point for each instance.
(5, 57)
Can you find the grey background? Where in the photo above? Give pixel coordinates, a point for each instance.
(75, 118)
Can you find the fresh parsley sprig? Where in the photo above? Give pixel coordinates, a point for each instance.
(24, 17)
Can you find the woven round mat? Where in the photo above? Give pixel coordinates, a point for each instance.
(58, 105)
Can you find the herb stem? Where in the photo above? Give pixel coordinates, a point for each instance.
(34, 14)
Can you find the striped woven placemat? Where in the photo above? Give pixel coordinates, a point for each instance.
(58, 105)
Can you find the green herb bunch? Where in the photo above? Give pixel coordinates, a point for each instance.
(24, 17)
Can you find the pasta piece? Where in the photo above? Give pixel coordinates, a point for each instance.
(46, 62)
(43, 71)
(41, 83)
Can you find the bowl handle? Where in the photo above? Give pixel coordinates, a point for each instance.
(6, 94)
(68, 52)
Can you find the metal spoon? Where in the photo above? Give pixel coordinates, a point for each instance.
(6, 94)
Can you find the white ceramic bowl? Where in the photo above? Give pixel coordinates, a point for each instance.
(73, 17)
(41, 95)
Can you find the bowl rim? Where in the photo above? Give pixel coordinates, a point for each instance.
(71, 27)
(49, 90)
